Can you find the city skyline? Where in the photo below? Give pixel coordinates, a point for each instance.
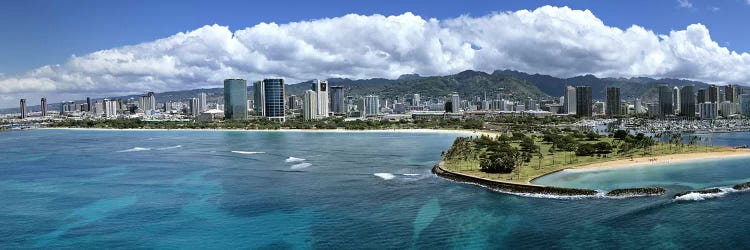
(140, 65)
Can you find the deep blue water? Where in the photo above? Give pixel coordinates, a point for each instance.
(188, 190)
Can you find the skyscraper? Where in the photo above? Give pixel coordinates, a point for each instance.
(23, 108)
(88, 104)
(613, 102)
(202, 102)
(455, 103)
(151, 102)
(337, 100)
(309, 105)
(195, 107)
(273, 102)
(701, 96)
(291, 102)
(569, 106)
(665, 100)
(583, 101)
(44, 106)
(745, 104)
(687, 102)
(676, 100)
(639, 106)
(713, 94)
(235, 99)
(371, 105)
(109, 108)
(321, 89)
(730, 93)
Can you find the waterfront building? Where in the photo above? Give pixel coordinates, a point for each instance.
(321, 89)
(235, 99)
(687, 102)
(202, 102)
(23, 108)
(639, 106)
(727, 108)
(44, 106)
(195, 107)
(701, 96)
(613, 102)
(273, 99)
(371, 105)
(653, 110)
(455, 103)
(676, 100)
(730, 93)
(583, 101)
(258, 98)
(665, 100)
(309, 105)
(338, 106)
(709, 111)
(745, 104)
(713, 94)
(569, 105)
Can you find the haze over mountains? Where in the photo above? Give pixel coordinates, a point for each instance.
(468, 83)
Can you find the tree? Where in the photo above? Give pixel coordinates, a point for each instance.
(586, 149)
(620, 134)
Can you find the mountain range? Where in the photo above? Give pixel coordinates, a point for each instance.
(469, 83)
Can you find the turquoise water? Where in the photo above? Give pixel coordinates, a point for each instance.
(271, 190)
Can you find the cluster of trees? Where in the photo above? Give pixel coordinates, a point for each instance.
(494, 155)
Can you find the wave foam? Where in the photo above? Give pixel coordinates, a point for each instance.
(695, 196)
(293, 159)
(172, 147)
(385, 176)
(135, 149)
(247, 152)
(301, 165)
(410, 174)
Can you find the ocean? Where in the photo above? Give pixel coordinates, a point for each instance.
(300, 190)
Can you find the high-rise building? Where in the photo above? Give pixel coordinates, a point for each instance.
(745, 104)
(109, 108)
(730, 93)
(709, 111)
(416, 100)
(202, 102)
(337, 100)
(321, 89)
(44, 106)
(273, 99)
(371, 105)
(291, 102)
(259, 98)
(676, 100)
(713, 94)
(583, 101)
(727, 108)
(88, 104)
(150, 102)
(613, 102)
(235, 99)
(23, 108)
(687, 102)
(569, 105)
(701, 96)
(665, 100)
(455, 103)
(639, 106)
(195, 107)
(310, 105)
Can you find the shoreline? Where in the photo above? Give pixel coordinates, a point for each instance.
(429, 131)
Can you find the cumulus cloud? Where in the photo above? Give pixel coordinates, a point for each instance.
(550, 40)
(686, 4)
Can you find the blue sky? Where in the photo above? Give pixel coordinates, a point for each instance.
(36, 33)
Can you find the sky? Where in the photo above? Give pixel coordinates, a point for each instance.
(66, 50)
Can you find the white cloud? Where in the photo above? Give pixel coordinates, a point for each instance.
(685, 4)
(549, 40)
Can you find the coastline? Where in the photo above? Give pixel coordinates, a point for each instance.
(430, 131)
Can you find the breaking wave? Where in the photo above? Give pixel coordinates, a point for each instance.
(301, 165)
(135, 149)
(294, 159)
(699, 196)
(385, 176)
(247, 152)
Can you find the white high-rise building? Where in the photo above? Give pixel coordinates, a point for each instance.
(709, 110)
(415, 101)
(195, 107)
(110, 108)
(371, 105)
(203, 105)
(638, 106)
(570, 100)
(676, 99)
(321, 90)
(310, 105)
(455, 103)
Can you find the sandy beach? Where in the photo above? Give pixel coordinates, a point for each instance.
(667, 159)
